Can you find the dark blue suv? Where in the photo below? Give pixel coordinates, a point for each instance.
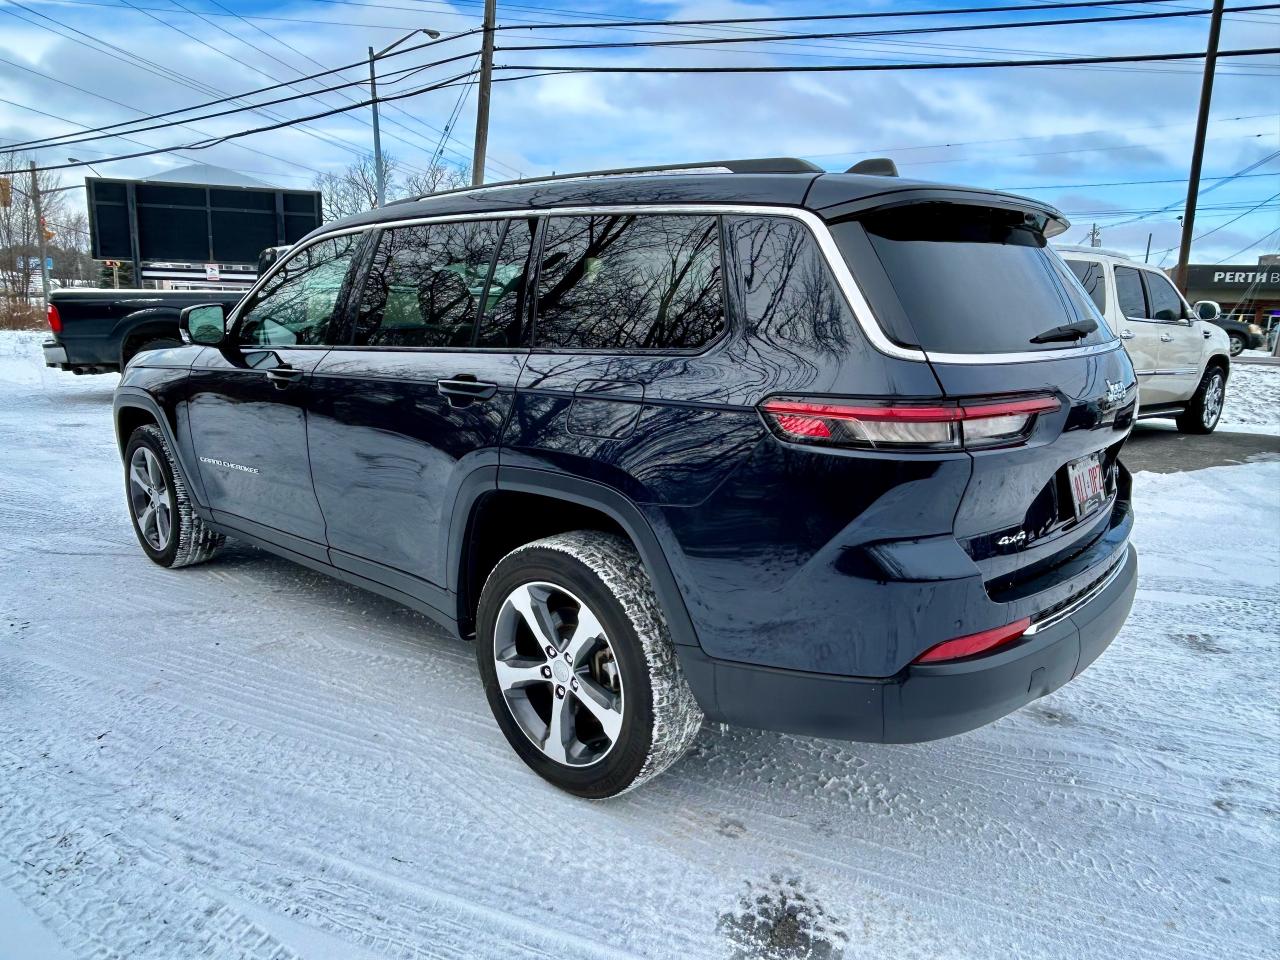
(833, 454)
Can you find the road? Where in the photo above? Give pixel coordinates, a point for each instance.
(247, 759)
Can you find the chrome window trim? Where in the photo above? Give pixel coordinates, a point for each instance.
(818, 229)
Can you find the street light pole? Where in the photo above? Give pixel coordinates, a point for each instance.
(35, 201)
(1197, 151)
(379, 180)
(486, 86)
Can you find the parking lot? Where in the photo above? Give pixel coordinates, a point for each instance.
(248, 754)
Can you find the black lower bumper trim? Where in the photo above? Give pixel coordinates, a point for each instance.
(925, 701)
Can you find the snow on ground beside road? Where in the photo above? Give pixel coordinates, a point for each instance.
(1253, 399)
(249, 759)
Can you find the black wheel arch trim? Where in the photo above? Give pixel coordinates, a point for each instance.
(587, 493)
(149, 319)
(136, 398)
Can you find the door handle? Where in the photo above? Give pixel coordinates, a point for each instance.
(282, 378)
(463, 389)
(1165, 338)
(1206, 333)
(1126, 334)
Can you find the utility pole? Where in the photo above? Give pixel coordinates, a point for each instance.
(1197, 151)
(1095, 236)
(35, 200)
(381, 187)
(486, 86)
(1147, 258)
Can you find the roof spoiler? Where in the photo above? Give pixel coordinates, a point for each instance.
(875, 167)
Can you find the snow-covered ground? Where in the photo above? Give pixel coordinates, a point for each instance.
(247, 759)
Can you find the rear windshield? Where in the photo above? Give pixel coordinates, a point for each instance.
(976, 279)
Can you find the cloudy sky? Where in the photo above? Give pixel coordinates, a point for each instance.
(1075, 136)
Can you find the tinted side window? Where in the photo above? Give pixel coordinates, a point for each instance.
(789, 294)
(295, 306)
(1092, 277)
(425, 283)
(629, 282)
(1165, 302)
(1129, 293)
(504, 303)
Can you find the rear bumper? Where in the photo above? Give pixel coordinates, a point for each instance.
(55, 354)
(923, 702)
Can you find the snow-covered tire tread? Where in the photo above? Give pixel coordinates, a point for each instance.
(677, 718)
(197, 541)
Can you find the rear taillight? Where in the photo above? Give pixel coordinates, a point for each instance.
(975, 643)
(55, 319)
(928, 426)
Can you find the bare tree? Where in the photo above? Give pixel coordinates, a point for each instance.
(354, 190)
(19, 236)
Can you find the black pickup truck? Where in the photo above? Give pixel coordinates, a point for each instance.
(98, 331)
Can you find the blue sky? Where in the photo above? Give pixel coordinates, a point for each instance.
(1074, 136)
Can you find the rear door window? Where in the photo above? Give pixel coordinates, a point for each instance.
(1166, 305)
(977, 280)
(425, 285)
(1129, 293)
(1093, 277)
(629, 282)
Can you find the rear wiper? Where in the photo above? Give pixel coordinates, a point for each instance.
(1068, 331)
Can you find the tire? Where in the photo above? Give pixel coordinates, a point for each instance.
(644, 716)
(1237, 343)
(1205, 408)
(158, 343)
(166, 527)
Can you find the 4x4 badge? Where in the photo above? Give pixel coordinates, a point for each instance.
(1014, 540)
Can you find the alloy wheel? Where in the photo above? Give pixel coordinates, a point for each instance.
(149, 494)
(558, 673)
(1213, 397)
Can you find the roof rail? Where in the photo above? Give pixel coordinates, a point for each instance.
(1102, 251)
(749, 165)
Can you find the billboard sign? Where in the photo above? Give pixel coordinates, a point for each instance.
(194, 223)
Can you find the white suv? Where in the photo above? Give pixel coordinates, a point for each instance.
(1182, 360)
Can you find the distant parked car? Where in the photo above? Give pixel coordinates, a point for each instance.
(1180, 353)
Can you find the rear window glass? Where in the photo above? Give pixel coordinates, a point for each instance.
(1092, 277)
(977, 279)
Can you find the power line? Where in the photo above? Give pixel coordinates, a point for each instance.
(904, 31)
(1120, 183)
(1261, 240)
(880, 67)
(215, 141)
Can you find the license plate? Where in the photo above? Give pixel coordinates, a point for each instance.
(1088, 484)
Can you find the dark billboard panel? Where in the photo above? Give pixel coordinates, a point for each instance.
(195, 223)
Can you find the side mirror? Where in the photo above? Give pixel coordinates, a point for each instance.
(205, 324)
(1207, 310)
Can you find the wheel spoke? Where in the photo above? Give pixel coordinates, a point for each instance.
(162, 525)
(585, 635)
(145, 520)
(559, 729)
(154, 471)
(601, 704)
(536, 614)
(137, 477)
(513, 674)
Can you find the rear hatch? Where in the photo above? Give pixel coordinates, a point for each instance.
(1000, 318)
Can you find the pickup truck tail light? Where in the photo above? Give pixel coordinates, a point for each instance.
(55, 319)
(974, 643)
(946, 425)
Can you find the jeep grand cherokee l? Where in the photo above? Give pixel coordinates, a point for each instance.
(828, 454)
